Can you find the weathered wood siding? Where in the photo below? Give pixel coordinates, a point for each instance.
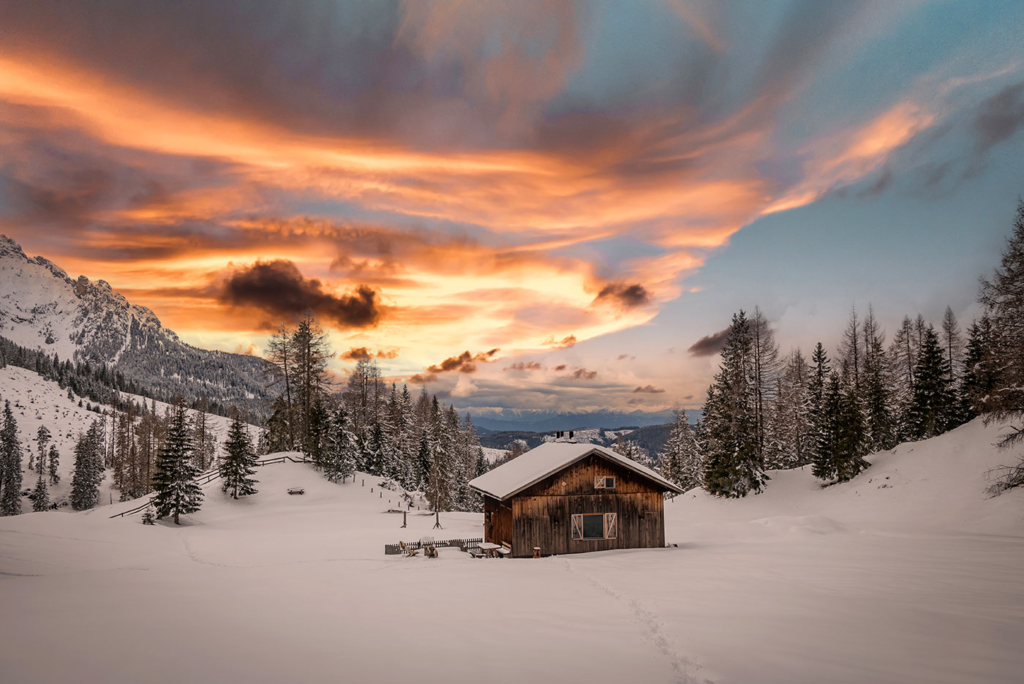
(541, 513)
(497, 521)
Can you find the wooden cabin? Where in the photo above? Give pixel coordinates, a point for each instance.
(572, 498)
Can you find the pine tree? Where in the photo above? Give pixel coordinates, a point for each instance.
(53, 462)
(239, 461)
(827, 431)
(42, 440)
(851, 352)
(765, 362)
(10, 464)
(40, 495)
(732, 466)
(88, 474)
(932, 410)
(681, 462)
(852, 437)
(980, 377)
(174, 485)
(902, 360)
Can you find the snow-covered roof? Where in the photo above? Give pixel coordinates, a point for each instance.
(535, 465)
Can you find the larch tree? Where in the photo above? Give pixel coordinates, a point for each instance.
(1003, 298)
(176, 492)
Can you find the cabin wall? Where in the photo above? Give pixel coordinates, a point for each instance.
(497, 521)
(541, 514)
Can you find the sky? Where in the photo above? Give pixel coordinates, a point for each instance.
(531, 205)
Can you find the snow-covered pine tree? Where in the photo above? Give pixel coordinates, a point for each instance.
(933, 408)
(88, 472)
(828, 429)
(851, 448)
(474, 465)
(732, 467)
(408, 440)
(10, 464)
(681, 462)
(821, 369)
(52, 462)
(632, 451)
(342, 450)
(176, 492)
(40, 495)
(239, 461)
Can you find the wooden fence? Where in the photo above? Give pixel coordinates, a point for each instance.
(211, 475)
(464, 544)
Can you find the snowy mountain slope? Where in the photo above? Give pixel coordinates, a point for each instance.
(41, 307)
(36, 401)
(914, 578)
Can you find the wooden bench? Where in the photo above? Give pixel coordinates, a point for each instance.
(406, 550)
(430, 551)
(296, 490)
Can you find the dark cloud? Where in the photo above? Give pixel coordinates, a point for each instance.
(464, 362)
(560, 367)
(524, 366)
(584, 374)
(709, 345)
(622, 357)
(626, 296)
(357, 354)
(277, 287)
(648, 389)
(999, 117)
(421, 379)
(389, 354)
(880, 184)
(564, 343)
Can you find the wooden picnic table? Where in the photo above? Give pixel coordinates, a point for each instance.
(490, 550)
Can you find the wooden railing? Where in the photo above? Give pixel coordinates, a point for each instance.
(211, 475)
(464, 544)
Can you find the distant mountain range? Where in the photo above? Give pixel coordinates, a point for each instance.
(41, 307)
(544, 421)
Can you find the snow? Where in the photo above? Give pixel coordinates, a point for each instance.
(491, 454)
(906, 574)
(536, 464)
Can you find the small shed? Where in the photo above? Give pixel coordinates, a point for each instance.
(565, 497)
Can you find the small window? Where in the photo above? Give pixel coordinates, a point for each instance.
(604, 482)
(594, 526)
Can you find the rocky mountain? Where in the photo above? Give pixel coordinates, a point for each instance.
(41, 307)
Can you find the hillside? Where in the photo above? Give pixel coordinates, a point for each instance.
(41, 307)
(36, 401)
(906, 574)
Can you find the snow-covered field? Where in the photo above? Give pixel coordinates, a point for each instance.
(907, 574)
